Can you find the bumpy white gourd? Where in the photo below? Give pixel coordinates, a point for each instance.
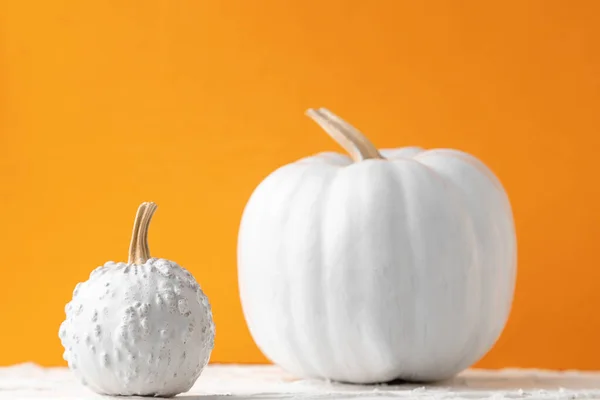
(392, 264)
(139, 328)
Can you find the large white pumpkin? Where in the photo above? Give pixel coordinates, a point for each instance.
(391, 264)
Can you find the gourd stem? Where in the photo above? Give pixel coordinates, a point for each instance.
(139, 251)
(347, 136)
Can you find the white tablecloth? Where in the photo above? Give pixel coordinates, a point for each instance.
(234, 382)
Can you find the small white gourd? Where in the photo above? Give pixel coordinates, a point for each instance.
(391, 264)
(139, 328)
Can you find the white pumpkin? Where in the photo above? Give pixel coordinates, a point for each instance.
(139, 328)
(397, 264)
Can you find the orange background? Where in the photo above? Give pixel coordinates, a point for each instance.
(190, 104)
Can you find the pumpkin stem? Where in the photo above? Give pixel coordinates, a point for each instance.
(347, 136)
(139, 252)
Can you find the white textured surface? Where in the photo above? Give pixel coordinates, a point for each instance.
(28, 381)
(138, 329)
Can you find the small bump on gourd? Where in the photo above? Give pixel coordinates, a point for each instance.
(177, 289)
(62, 332)
(144, 309)
(129, 314)
(158, 262)
(97, 331)
(65, 355)
(126, 270)
(183, 306)
(185, 336)
(159, 301)
(88, 339)
(79, 309)
(95, 316)
(145, 326)
(122, 331)
(93, 349)
(96, 272)
(76, 290)
(105, 360)
(165, 269)
(170, 296)
(164, 333)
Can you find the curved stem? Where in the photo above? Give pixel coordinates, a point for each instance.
(347, 136)
(139, 252)
(136, 231)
